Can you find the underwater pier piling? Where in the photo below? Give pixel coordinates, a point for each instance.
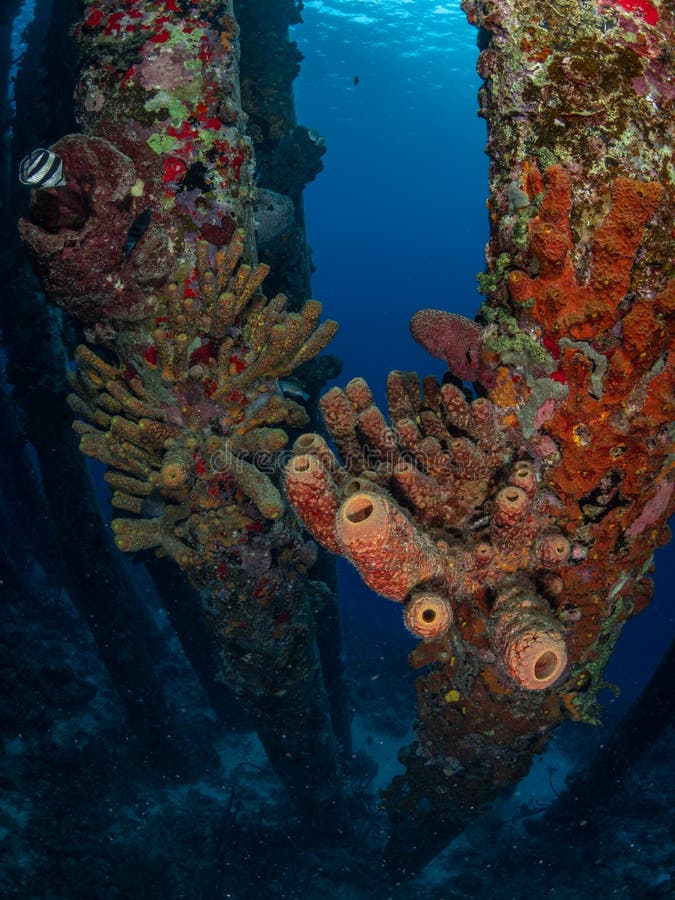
(151, 244)
(577, 328)
(524, 515)
(69, 539)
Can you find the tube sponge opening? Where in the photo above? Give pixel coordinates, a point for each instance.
(428, 615)
(535, 659)
(527, 637)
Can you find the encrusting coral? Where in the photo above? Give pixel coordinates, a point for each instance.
(189, 422)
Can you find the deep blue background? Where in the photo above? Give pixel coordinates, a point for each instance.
(397, 221)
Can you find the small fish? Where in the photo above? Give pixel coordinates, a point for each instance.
(292, 389)
(138, 228)
(356, 80)
(41, 169)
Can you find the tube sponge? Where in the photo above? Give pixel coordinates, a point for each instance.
(390, 552)
(428, 615)
(315, 498)
(527, 637)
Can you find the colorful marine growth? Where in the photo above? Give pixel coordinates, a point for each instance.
(143, 241)
(149, 242)
(427, 523)
(190, 422)
(492, 509)
(516, 521)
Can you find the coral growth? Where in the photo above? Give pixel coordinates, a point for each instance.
(516, 527)
(151, 244)
(191, 419)
(606, 440)
(544, 481)
(419, 507)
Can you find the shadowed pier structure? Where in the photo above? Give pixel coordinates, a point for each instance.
(150, 244)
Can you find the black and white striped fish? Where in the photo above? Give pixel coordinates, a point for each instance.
(41, 169)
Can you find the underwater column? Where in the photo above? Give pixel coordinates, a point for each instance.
(148, 240)
(513, 509)
(576, 340)
(68, 536)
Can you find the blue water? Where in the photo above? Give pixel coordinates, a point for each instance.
(397, 220)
